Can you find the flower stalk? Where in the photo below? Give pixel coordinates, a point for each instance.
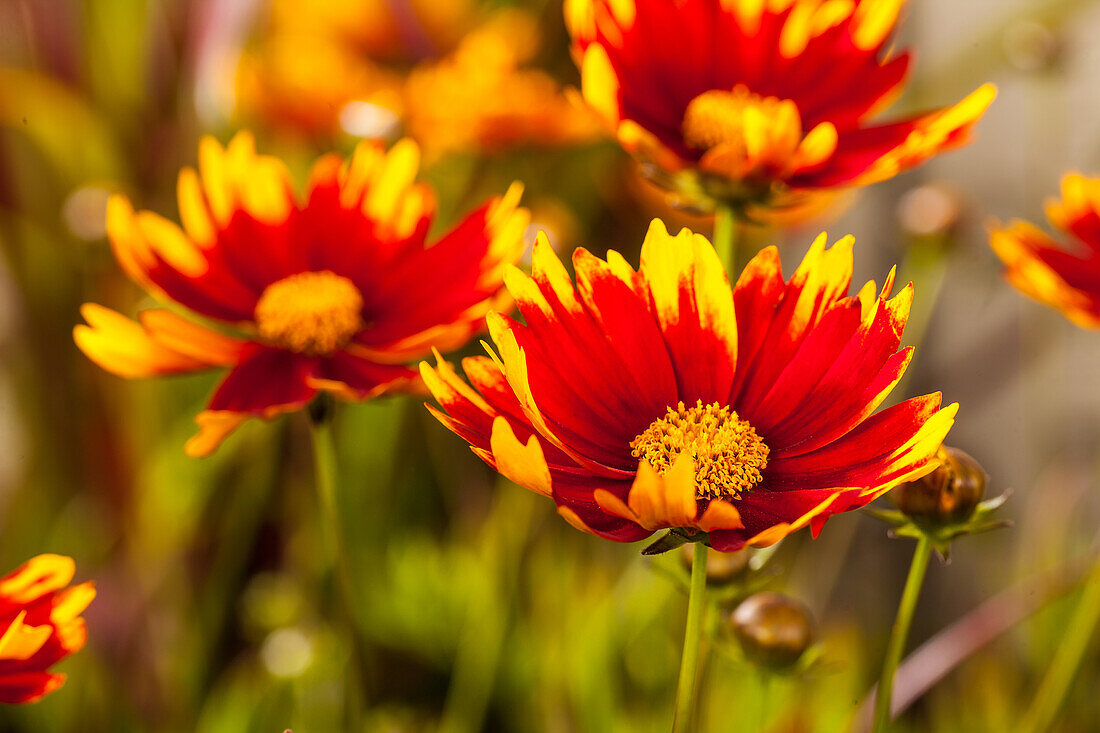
(1067, 660)
(336, 555)
(725, 236)
(689, 662)
(900, 633)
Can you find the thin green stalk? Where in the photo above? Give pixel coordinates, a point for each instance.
(725, 238)
(325, 467)
(689, 662)
(900, 632)
(491, 611)
(1063, 668)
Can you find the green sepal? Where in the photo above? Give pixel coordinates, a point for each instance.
(941, 535)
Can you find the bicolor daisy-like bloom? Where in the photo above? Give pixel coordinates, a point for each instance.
(486, 97)
(40, 624)
(1061, 276)
(757, 103)
(660, 398)
(334, 293)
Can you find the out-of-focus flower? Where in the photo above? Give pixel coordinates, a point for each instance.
(41, 625)
(1066, 278)
(304, 82)
(481, 98)
(469, 92)
(334, 293)
(638, 401)
(757, 103)
(312, 59)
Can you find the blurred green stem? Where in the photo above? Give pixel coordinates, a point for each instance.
(900, 633)
(324, 461)
(489, 614)
(725, 238)
(925, 265)
(689, 662)
(1063, 669)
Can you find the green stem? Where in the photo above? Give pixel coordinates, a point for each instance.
(725, 238)
(1063, 668)
(491, 611)
(337, 560)
(900, 632)
(689, 662)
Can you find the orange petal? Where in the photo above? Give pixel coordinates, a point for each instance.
(123, 347)
(214, 426)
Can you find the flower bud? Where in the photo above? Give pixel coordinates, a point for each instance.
(722, 567)
(947, 495)
(774, 630)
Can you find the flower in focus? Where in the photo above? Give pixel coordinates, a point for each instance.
(333, 293)
(1063, 277)
(41, 625)
(482, 97)
(659, 398)
(757, 103)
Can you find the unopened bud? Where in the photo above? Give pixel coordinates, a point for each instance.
(722, 567)
(774, 630)
(947, 495)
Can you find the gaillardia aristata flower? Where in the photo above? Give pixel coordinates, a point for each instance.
(335, 292)
(1066, 278)
(756, 103)
(40, 624)
(661, 398)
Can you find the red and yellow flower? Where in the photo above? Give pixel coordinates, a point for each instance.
(757, 102)
(660, 398)
(334, 293)
(459, 80)
(484, 97)
(1066, 278)
(40, 624)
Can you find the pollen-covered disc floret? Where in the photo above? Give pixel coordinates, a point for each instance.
(719, 117)
(314, 313)
(729, 456)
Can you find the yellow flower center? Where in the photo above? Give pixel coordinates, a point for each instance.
(722, 117)
(314, 313)
(729, 456)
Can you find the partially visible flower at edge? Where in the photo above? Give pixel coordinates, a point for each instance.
(659, 398)
(1061, 276)
(334, 293)
(41, 625)
(761, 105)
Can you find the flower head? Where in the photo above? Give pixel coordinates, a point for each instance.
(335, 292)
(1066, 278)
(757, 103)
(40, 625)
(660, 398)
(485, 97)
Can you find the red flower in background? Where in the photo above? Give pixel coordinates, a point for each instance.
(41, 625)
(757, 102)
(334, 293)
(1061, 276)
(659, 398)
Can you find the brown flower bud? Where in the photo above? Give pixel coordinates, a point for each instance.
(774, 629)
(722, 567)
(947, 495)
